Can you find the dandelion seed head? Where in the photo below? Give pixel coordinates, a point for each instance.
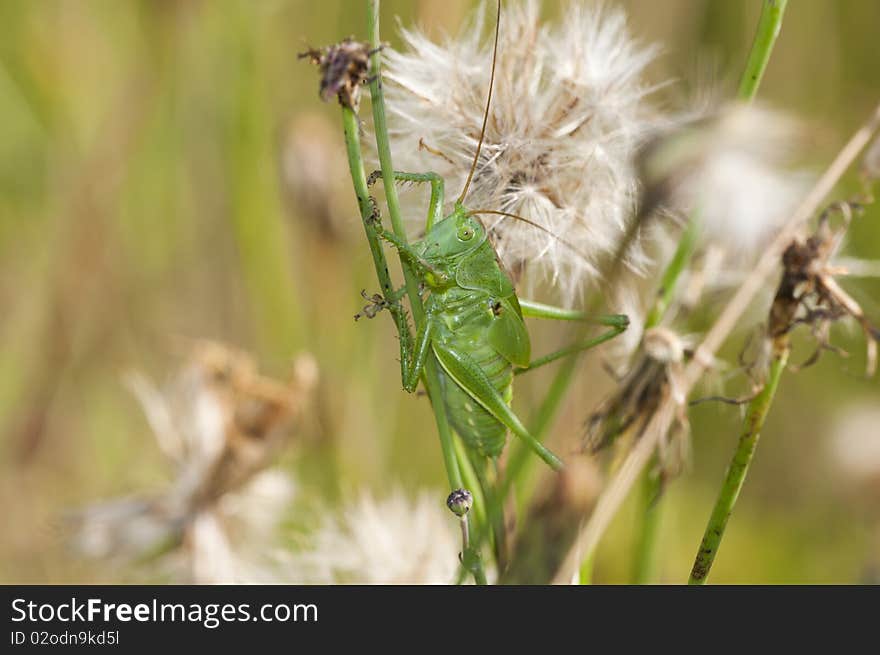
(855, 444)
(871, 161)
(731, 170)
(569, 111)
(219, 423)
(391, 541)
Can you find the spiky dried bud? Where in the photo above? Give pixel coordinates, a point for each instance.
(808, 292)
(655, 375)
(663, 345)
(460, 502)
(344, 69)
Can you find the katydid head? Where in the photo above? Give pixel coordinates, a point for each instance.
(458, 234)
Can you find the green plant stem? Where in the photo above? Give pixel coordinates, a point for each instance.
(650, 500)
(737, 471)
(471, 559)
(680, 261)
(468, 552)
(644, 559)
(585, 574)
(769, 26)
(472, 484)
(351, 129)
(359, 180)
(383, 146)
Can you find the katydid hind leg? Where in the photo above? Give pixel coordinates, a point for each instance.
(534, 309)
(470, 377)
(617, 322)
(567, 351)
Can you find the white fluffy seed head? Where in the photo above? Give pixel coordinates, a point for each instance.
(568, 114)
(222, 500)
(855, 445)
(390, 541)
(732, 170)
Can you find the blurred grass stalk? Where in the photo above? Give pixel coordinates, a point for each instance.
(769, 26)
(256, 213)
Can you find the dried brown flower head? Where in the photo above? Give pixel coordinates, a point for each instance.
(809, 293)
(219, 424)
(344, 69)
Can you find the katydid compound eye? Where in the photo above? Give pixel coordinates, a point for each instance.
(465, 233)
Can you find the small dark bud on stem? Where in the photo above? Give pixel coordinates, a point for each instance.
(460, 502)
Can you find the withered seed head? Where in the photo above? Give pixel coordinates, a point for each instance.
(344, 69)
(808, 292)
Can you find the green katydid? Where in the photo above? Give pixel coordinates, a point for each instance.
(473, 320)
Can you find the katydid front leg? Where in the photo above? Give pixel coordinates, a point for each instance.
(417, 353)
(435, 204)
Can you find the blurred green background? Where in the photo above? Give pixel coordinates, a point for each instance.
(167, 172)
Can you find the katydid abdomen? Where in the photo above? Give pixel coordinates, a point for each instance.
(465, 317)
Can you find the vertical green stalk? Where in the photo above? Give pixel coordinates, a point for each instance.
(359, 181)
(521, 455)
(266, 263)
(650, 499)
(585, 574)
(644, 559)
(471, 558)
(736, 472)
(680, 261)
(383, 146)
(472, 484)
(769, 26)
